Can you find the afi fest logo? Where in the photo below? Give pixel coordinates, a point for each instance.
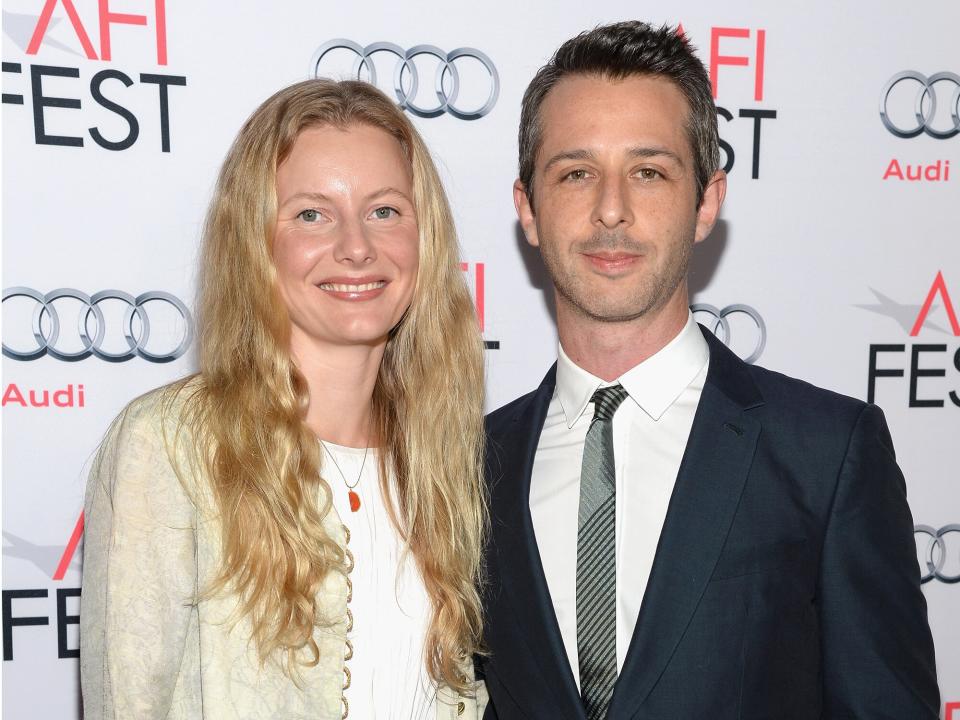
(910, 369)
(913, 104)
(477, 282)
(737, 57)
(61, 100)
(53, 560)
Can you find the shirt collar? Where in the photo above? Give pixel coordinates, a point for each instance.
(654, 384)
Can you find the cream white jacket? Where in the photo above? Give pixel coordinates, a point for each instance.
(148, 650)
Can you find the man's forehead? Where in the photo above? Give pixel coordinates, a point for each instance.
(629, 110)
(582, 94)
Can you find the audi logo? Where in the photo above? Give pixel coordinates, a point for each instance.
(92, 326)
(924, 117)
(752, 328)
(406, 75)
(934, 556)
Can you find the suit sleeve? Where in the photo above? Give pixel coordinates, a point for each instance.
(878, 657)
(139, 575)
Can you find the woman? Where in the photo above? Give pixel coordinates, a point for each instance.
(295, 531)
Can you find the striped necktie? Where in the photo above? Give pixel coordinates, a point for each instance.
(596, 558)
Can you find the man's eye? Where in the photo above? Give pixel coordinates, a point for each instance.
(648, 174)
(384, 213)
(576, 175)
(310, 215)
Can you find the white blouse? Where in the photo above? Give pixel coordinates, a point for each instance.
(390, 606)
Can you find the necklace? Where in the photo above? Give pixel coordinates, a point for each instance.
(351, 493)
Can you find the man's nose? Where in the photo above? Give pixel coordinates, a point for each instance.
(613, 203)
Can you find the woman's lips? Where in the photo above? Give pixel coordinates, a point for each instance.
(353, 289)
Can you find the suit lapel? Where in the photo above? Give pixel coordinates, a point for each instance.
(709, 484)
(512, 453)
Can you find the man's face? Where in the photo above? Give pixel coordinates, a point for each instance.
(614, 211)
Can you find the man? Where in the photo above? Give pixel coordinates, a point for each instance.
(677, 534)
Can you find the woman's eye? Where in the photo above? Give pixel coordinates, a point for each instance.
(309, 215)
(384, 213)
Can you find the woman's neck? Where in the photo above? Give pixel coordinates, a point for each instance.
(340, 380)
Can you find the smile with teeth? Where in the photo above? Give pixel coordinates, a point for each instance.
(341, 287)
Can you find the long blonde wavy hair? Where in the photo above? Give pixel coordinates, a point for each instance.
(246, 412)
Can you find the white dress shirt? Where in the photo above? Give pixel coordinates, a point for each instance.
(650, 431)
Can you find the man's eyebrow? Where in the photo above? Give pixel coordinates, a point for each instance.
(569, 155)
(644, 151)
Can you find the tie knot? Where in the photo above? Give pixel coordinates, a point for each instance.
(606, 401)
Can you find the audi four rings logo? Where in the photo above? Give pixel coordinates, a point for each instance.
(935, 555)
(923, 112)
(407, 77)
(753, 329)
(91, 326)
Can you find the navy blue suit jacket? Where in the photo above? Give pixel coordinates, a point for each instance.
(785, 584)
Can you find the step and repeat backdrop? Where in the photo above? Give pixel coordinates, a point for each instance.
(836, 259)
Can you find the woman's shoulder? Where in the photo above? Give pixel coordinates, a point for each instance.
(148, 457)
(161, 410)
(153, 429)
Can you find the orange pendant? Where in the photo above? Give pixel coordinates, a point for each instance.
(354, 501)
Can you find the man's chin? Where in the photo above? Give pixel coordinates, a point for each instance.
(611, 312)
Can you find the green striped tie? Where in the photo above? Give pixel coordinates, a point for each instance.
(596, 558)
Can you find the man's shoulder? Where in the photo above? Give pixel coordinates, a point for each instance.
(800, 402)
(809, 429)
(496, 420)
(776, 391)
(507, 413)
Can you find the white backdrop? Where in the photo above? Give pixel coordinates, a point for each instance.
(823, 236)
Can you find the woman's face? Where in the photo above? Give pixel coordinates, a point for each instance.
(346, 243)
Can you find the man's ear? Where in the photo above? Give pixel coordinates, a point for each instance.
(709, 211)
(525, 213)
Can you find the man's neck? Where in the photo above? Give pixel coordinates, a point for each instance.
(609, 349)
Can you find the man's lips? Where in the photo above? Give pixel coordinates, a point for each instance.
(611, 262)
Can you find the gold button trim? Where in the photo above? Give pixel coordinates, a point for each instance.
(461, 706)
(348, 654)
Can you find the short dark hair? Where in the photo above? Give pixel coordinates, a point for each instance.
(618, 51)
